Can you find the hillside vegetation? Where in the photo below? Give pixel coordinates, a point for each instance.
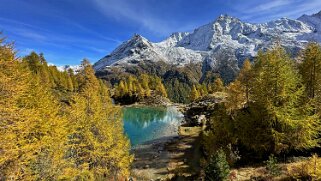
(272, 108)
(63, 125)
(57, 125)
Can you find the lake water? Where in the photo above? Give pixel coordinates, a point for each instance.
(143, 124)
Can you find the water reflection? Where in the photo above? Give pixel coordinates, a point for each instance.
(147, 123)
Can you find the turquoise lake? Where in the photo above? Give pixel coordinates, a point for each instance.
(143, 124)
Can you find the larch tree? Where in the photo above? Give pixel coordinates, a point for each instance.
(277, 87)
(218, 85)
(245, 77)
(13, 86)
(73, 79)
(43, 133)
(32, 132)
(130, 85)
(160, 88)
(38, 65)
(145, 84)
(97, 148)
(121, 89)
(140, 91)
(236, 96)
(310, 69)
(194, 93)
(202, 90)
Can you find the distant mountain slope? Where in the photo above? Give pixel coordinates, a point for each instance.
(226, 41)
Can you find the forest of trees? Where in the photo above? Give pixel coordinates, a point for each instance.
(201, 90)
(62, 125)
(57, 125)
(132, 89)
(273, 107)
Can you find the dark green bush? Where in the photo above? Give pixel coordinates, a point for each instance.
(272, 166)
(218, 168)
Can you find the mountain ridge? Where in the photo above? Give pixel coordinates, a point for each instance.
(208, 44)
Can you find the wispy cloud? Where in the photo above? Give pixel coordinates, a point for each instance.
(27, 33)
(31, 35)
(311, 6)
(87, 30)
(268, 6)
(103, 37)
(127, 9)
(261, 11)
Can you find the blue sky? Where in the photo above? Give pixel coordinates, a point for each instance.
(67, 31)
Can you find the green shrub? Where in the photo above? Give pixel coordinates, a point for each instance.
(272, 166)
(218, 168)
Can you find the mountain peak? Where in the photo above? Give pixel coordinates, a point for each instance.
(315, 15)
(319, 13)
(313, 20)
(138, 37)
(225, 17)
(173, 39)
(226, 37)
(179, 34)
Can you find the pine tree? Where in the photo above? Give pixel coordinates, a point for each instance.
(218, 168)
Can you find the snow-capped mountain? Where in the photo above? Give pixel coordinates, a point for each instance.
(312, 20)
(75, 68)
(227, 40)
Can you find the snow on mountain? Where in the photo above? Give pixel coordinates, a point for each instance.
(173, 39)
(209, 43)
(313, 21)
(75, 68)
(130, 52)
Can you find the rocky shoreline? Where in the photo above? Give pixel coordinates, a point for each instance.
(168, 157)
(153, 157)
(165, 158)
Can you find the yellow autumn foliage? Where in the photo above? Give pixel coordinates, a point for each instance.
(45, 138)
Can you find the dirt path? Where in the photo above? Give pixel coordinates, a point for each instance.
(175, 158)
(185, 160)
